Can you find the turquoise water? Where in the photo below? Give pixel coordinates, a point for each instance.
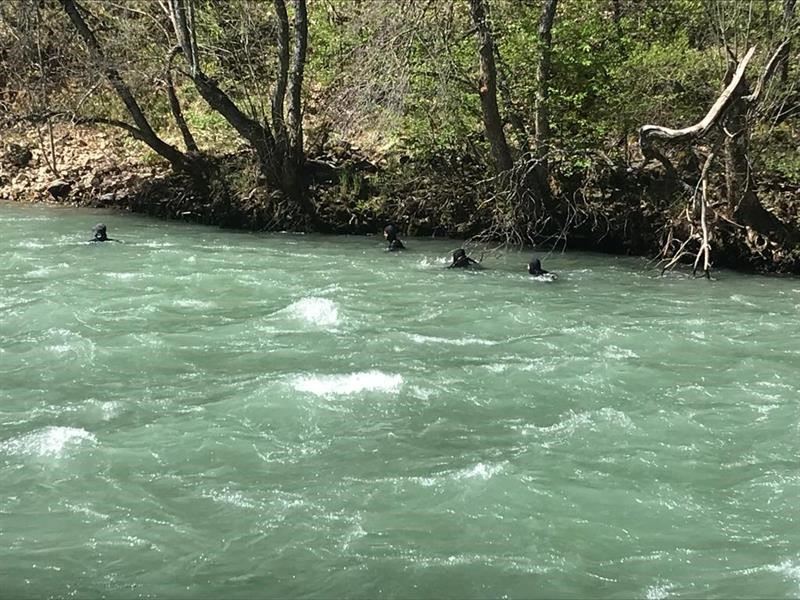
(199, 413)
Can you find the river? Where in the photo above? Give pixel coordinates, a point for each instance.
(200, 413)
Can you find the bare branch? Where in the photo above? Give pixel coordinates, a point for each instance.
(711, 118)
(768, 72)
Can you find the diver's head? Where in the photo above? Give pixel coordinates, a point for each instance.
(99, 232)
(535, 267)
(459, 254)
(390, 233)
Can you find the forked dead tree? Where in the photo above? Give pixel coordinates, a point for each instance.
(725, 127)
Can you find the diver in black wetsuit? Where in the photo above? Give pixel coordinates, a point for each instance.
(535, 269)
(462, 261)
(99, 234)
(390, 233)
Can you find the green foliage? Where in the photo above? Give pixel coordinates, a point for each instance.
(400, 78)
(778, 151)
(352, 184)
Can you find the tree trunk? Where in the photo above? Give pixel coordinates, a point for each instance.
(181, 17)
(788, 22)
(740, 181)
(145, 132)
(492, 122)
(277, 140)
(542, 134)
(175, 106)
(295, 156)
(281, 80)
(295, 117)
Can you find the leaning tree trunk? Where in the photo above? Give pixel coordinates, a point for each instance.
(175, 106)
(492, 122)
(142, 130)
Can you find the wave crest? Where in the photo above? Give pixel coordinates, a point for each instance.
(49, 442)
(316, 311)
(351, 383)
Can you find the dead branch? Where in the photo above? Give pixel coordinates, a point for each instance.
(646, 132)
(767, 73)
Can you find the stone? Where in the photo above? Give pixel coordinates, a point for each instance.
(59, 188)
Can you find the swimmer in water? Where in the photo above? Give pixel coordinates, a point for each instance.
(100, 235)
(535, 269)
(462, 261)
(390, 234)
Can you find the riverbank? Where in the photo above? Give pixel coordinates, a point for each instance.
(607, 207)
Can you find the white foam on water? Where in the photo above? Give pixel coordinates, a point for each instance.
(124, 276)
(356, 532)
(110, 409)
(155, 244)
(468, 341)
(616, 417)
(231, 497)
(345, 385)
(71, 342)
(548, 278)
(480, 471)
(42, 272)
(60, 348)
(588, 420)
(190, 303)
(658, 592)
(616, 352)
(427, 263)
(86, 510)
(572, 423)
(514, 563)
(541, 365)
(741, 300)
(48, 270)
(54, 442)
(31, 244)
(321, 312)
(422, 393)
(788, 569)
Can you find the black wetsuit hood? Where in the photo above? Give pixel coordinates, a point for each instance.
(99, 233)
(390, 232)
(535, 267)
(462, 261)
